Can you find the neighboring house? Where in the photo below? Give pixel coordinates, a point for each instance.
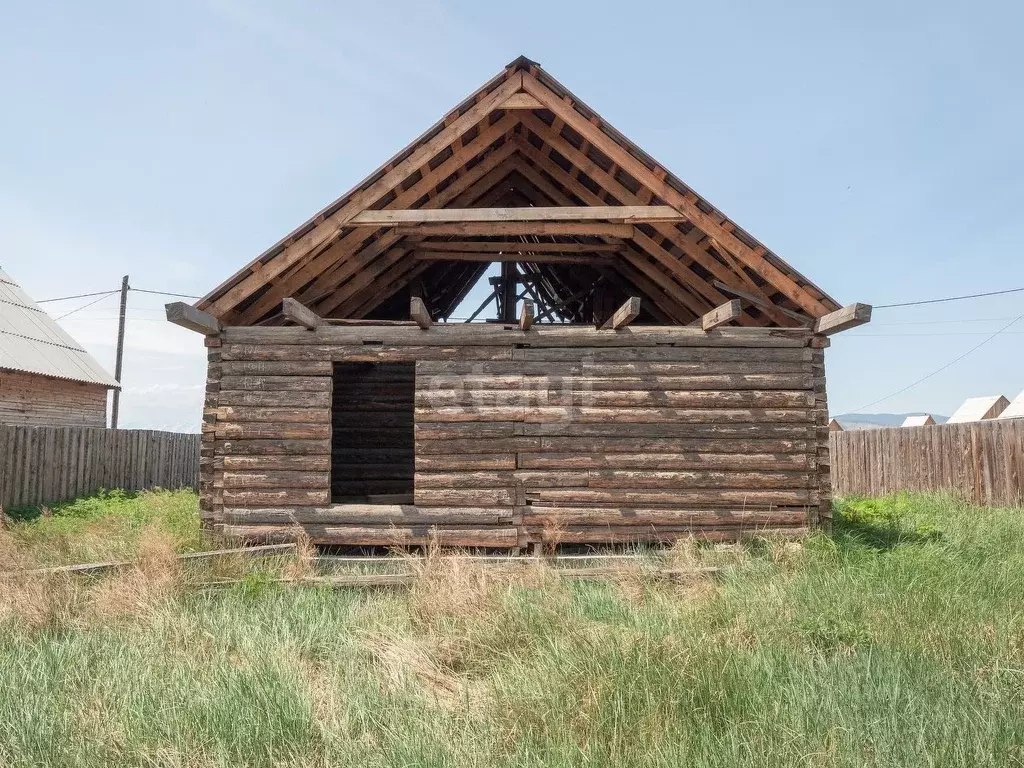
(1015, 410)
(835, 426)
(979, 409)
(920, 420)
(46, 378)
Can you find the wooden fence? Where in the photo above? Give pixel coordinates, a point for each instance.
(43, 465)
(983, 461)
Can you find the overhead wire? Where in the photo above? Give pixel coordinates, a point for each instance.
(85, 306)
(944, 367)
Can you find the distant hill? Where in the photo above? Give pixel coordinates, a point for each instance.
(876, 420)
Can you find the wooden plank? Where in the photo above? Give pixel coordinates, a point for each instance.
(720, 315)
(513, 248)
(520, 100)
(187, 316)
(380, 536)
(526, 258)
(298, 313)
(624, 315)
(668, 461)
(526, 315)
(503, 229)
(627, 214)
(849, 316)
(418, 312)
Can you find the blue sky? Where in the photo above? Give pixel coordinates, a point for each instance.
(876, 146)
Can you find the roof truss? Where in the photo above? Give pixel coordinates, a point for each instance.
(521, 172)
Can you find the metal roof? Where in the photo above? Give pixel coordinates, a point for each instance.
(32, 342)
(979, 409)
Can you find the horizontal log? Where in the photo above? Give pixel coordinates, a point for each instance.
(276, 383)
(479, 430)
(668, 461)
(275, 415)
(275, 447)
(584, 414)
(651, 534)
(383, 536)
(527, 478)
(498, 335)
(273, 431)
(671, 429)
(515, 228)
(682, 354)
(282, 399)
(640, 479)
(464, 462)
(262, 463)
(390, 217)
(367, 353)
(517, 246)
(191, 318)
(607, 369)
(594, 381)
(671, 518)
(371, 514)
(322, 367)
(575, 497)
(455, 446)
(464, 497)
(275, 479)
(435, 398)
(277, 497)
(671, 445)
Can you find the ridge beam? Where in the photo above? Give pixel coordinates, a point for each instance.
(617, 213)
(500, 228)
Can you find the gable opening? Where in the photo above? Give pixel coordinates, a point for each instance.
(372, 414)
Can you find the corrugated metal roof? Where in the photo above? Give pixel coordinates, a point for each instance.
(979, 409)
(31, 341)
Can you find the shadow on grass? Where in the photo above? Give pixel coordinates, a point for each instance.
(95, 505)
(880, 524)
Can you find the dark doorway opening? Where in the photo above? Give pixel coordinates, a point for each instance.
(372, 451)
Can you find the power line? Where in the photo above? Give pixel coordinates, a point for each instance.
(86, 306)
(165, 293)
(940, 370)
(79, 296)
(948, 298)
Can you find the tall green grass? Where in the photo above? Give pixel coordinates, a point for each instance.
(897, 640)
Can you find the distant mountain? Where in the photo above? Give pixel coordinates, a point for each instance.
(876, 420)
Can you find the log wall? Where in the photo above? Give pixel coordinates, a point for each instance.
(34, 400)
(559, 433)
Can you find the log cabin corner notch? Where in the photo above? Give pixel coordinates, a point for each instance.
(665, 377)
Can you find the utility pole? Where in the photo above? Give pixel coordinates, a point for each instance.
(120, 353)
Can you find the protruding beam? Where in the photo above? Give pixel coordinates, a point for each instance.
(621, 213)
(849, 316)
(418, 312)
(624, 315)
(497, 228)
(300, 314)
(194, 319)
(526, 315)
(720, 315)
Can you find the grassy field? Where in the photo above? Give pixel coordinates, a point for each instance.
(896, 641)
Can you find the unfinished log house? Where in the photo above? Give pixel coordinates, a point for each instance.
(651, 370)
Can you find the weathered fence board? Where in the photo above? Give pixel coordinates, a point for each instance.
(984, 461)
(44, 465)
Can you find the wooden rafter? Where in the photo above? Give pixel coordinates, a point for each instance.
(626, 214)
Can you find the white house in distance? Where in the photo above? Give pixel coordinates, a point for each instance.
(1015, 410)
(920, 420)
(979, 409)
